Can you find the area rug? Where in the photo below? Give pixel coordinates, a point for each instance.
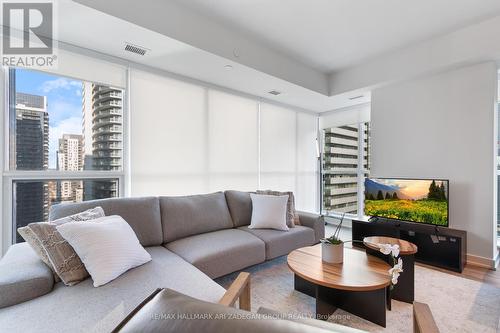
(458, 304)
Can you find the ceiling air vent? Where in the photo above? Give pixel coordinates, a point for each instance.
(135, 49)
(356, 97)
(274, 92)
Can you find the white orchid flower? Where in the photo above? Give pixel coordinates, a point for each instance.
(389, 249)
(395, 250)
(395, 277)
(385, 248)
(396, 270)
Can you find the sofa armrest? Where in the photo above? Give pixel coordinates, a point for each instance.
(315, 222)
(23, 276)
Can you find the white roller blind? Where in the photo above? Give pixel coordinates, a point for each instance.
(346, 116)
(188, 139)
(232, 142)
(307, 163)
(168, 136)
(278, 134)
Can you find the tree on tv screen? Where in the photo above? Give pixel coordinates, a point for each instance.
(436, 192)
(380, 195)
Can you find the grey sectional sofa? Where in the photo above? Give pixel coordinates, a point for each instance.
(191, 239)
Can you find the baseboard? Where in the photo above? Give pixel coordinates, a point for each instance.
(482, 261)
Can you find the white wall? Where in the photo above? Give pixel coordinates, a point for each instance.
(444, 126)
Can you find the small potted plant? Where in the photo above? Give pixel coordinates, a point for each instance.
(332, 248)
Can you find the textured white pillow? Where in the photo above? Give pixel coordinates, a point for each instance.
(269, 212)
(107, 246)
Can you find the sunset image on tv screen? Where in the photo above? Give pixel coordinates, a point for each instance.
(423, 201)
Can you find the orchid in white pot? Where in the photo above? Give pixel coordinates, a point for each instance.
(332, 248)
(397, 269)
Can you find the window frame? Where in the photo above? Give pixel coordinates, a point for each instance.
(360, 173)
(8, 176)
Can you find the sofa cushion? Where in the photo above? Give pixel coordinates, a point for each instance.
(220, 252)
(269, 211)
(108, 247)
(195, 214)
(240, 207)
(213, 318)
(143, 215)
(291, 216)
(30, 237)
(63, 259)
(279, 243)
(83, 308)
(23, 276)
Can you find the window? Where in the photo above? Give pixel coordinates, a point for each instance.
(65, 143)
(345, 163)
(206, 140)
(33, 198)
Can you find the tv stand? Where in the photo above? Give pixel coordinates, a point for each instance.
(437, 246)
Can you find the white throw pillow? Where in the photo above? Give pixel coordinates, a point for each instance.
(269, 212)
(107, 246)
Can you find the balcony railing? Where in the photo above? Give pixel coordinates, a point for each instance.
(107, 113)
(105, 138)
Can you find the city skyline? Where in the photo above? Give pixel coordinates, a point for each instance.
(63, 103)
(66, 125)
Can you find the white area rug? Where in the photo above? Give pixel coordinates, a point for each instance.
(458, 304)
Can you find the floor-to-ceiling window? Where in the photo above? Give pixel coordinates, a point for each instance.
(191, 138)
(345, 160)
(345, 163)
(65, 143)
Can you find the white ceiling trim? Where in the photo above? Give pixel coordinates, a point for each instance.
(174, 21)
(466, 46)
(154, 70)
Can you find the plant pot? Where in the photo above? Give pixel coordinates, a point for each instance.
(332, 253)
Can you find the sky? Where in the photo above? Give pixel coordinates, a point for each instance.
(64, 103)
(416, 189)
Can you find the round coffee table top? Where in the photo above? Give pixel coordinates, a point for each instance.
(358, 272)
(405, 247)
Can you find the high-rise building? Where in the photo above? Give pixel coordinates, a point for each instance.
(107, 130)
(70, 158)
(31, 144)
(30, 151)
(87, 124)
(102, 135)
(340, 167)
(70, 153)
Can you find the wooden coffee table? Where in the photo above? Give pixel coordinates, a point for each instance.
(359, 285)
(404, 290)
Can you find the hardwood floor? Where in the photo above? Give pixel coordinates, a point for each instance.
(472, 272)
(476, 273)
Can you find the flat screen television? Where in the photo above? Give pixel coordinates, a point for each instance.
(413, 200)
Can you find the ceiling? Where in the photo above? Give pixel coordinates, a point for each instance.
(330, 35)
(270, 46)
(107, 34)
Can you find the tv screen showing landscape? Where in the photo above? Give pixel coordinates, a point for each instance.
(414, 200)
